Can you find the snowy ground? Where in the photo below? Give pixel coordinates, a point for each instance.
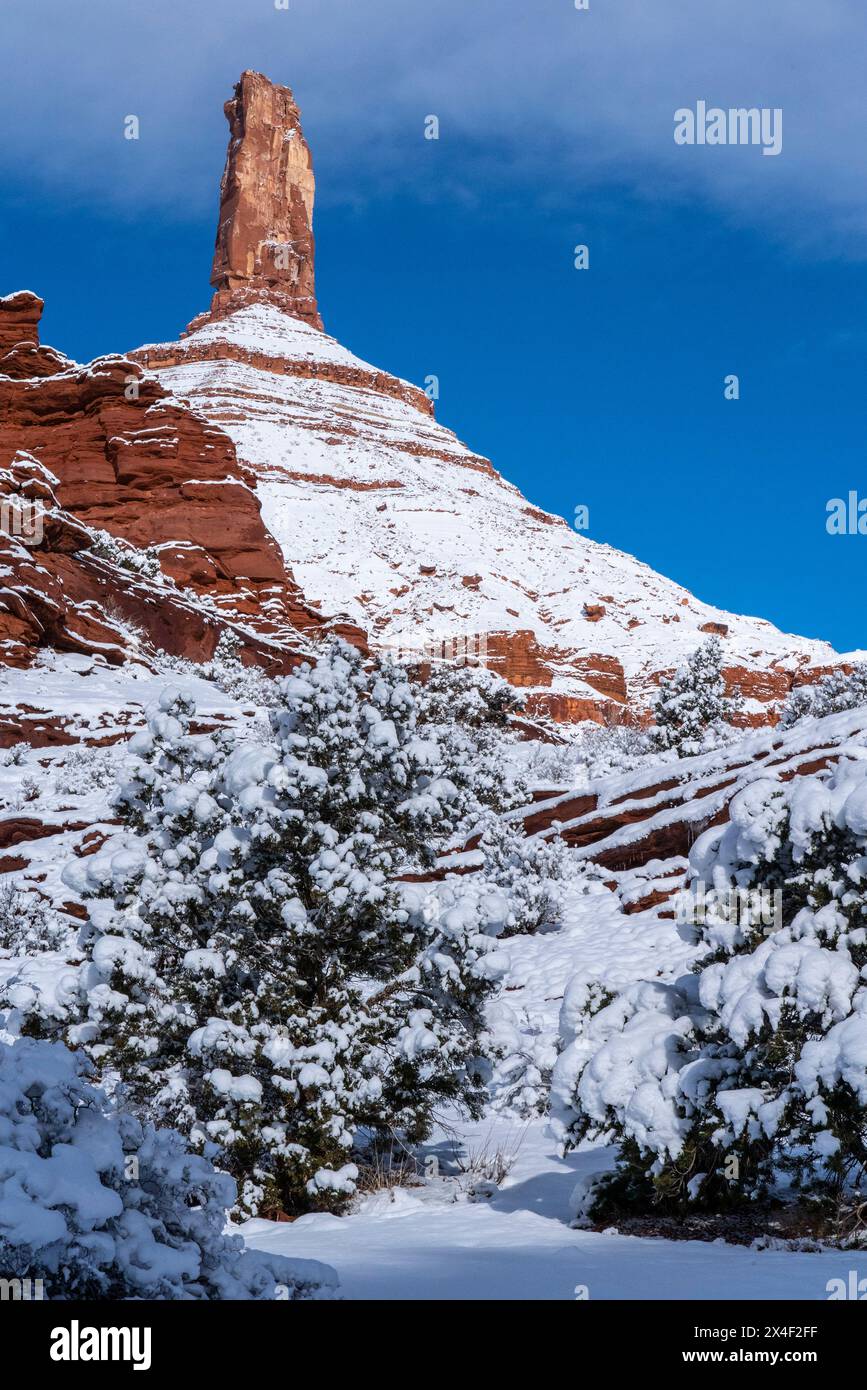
(438, 1241)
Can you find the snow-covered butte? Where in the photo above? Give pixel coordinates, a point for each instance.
(385, 515)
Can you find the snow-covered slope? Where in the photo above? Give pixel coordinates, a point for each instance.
(384, 514)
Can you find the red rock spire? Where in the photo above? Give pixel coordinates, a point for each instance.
(264, 248)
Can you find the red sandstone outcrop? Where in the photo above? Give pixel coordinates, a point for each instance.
(265, 233)
(20, 352)
(61, 593)
(655, 814)
(19, 320)
(104, 448)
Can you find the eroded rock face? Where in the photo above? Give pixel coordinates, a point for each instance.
(264, 244)
(37, 553)
(20, 352)
(19, 320)
(103, 448)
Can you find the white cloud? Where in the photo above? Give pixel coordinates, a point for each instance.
(531, 94)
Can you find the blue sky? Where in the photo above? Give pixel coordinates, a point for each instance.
(455, 257)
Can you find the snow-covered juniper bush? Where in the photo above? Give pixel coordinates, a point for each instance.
(138, 559)
(692, 712)
(837, 691)
(98, 1205)
(229, 673)
(530, 873)
(746, 1079)
(28, 923)
(466, 710)
(253, 975)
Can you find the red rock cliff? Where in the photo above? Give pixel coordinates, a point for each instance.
(106, 448)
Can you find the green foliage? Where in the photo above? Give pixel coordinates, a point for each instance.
(692, 708)
(253, 975)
